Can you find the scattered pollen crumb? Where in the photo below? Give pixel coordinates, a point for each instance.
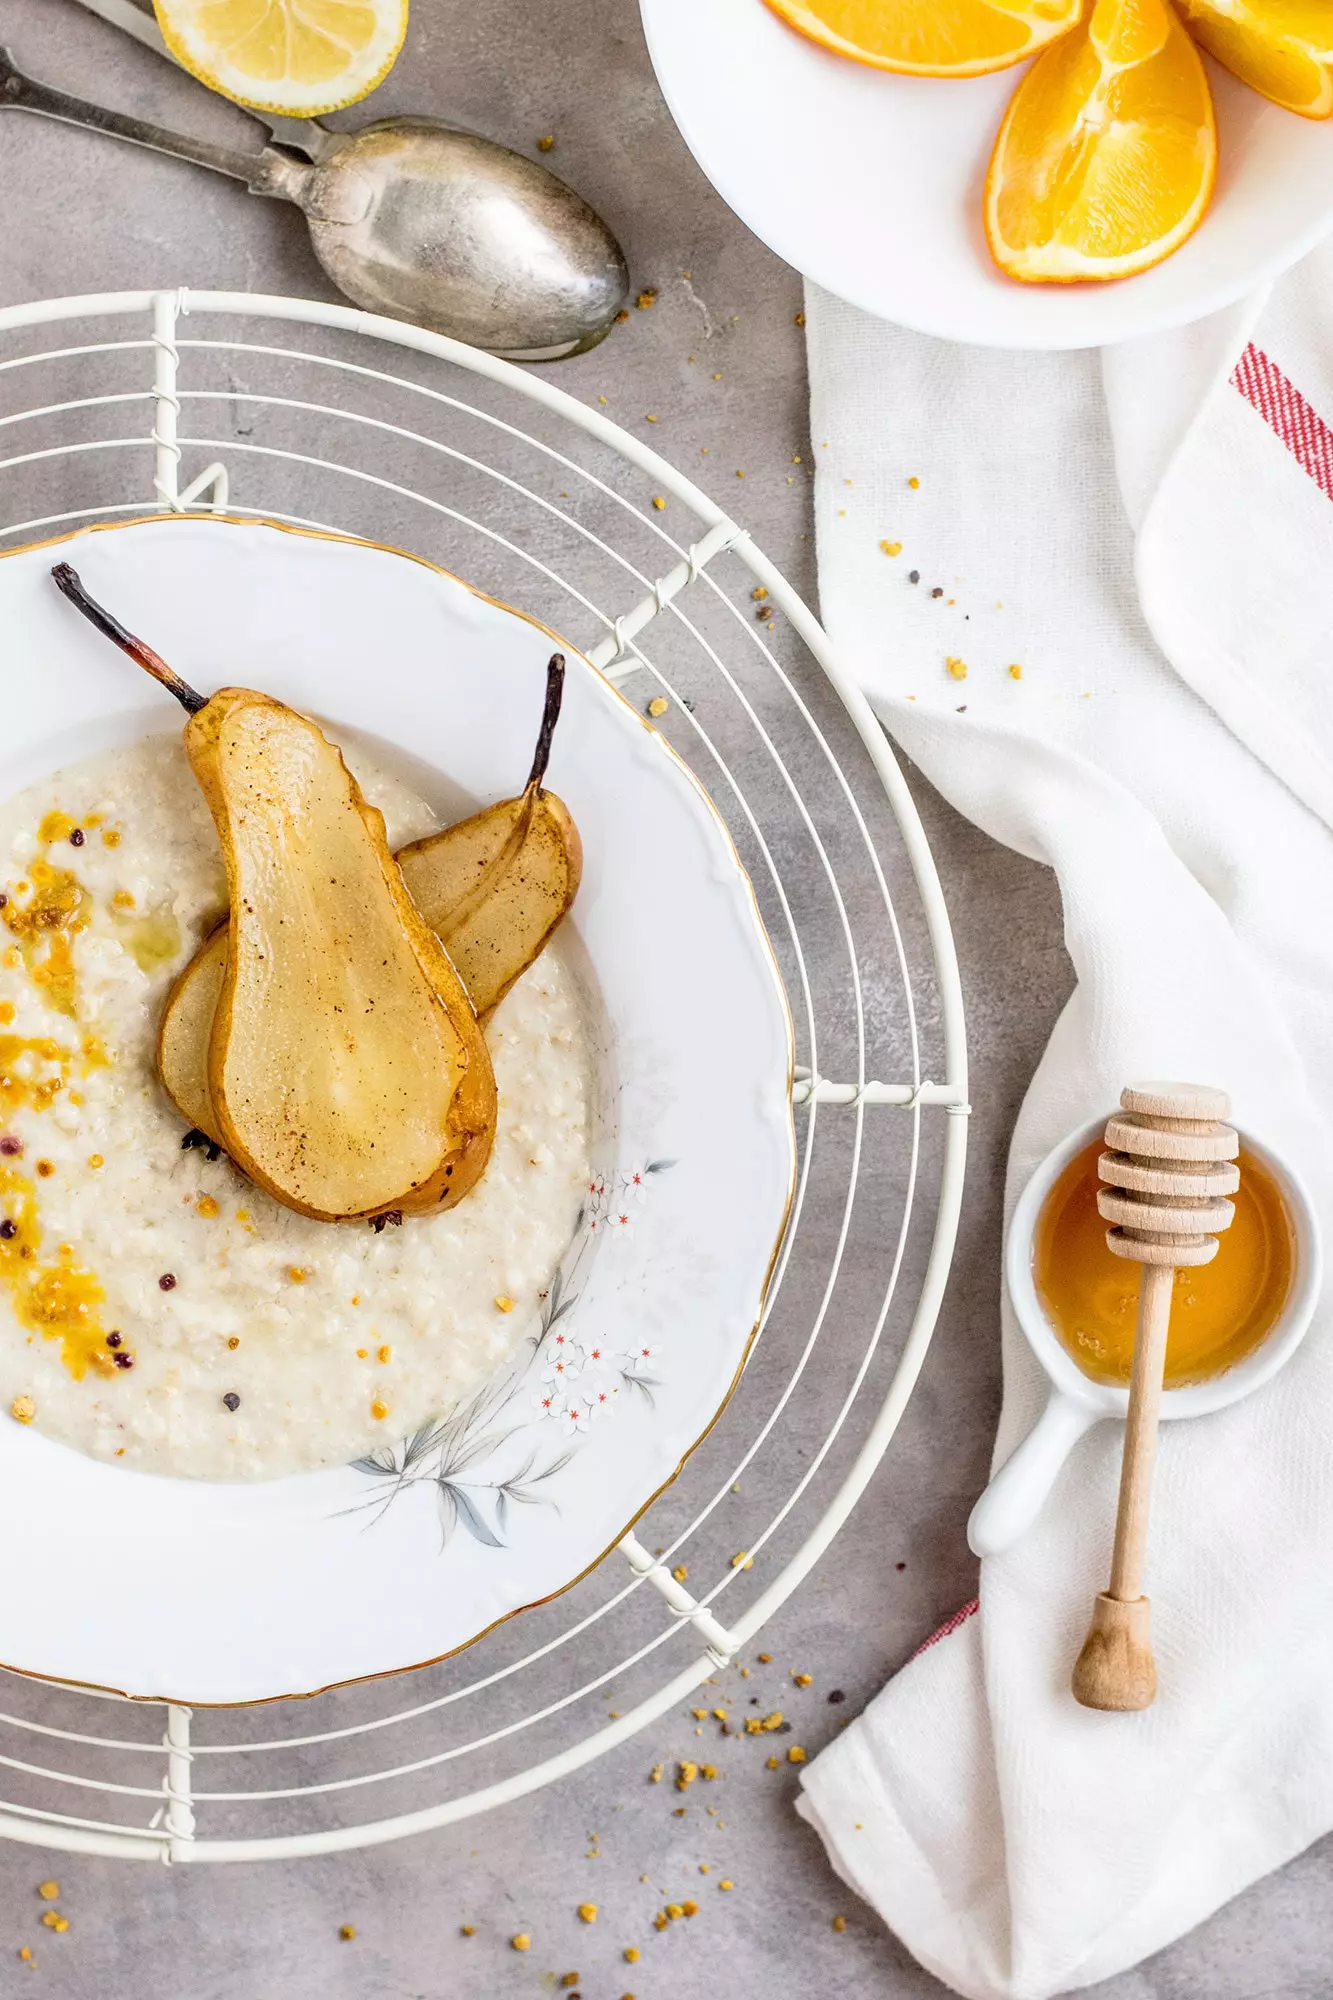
(708, 1772)
(803, 1680)
(621, 317)
(363, 1353)
(703, 1868)
(658, 705)
(467, 1930)
(54, 1922)
(740, 475)
(699, 1714)
(48, 1891)
(717, 378)
(675, 1910)
(111, 838)
(799, 320)
(658, 501)
(914, 482)
(685, 1776)
(570, 1979)
(207, 1207)
(765, 1659)
(957, 668)
(347, 1932)
(297, 1273)
(646, 298)
(95, 1161)
(660, 1921)
(690, 1909)
(504, 1302)
(521, 1942)
(721, 1714)
(892, 548)
(631, 1954)
(1015, 672)
(840, 1924)
(588, 1913)
(758, 594)
(772, 1763)
(680, 1572)
(546, 142)
(384, 1353)
(796, 1755)
(23, 1410)
(650, 420)
(26, 1955)
(379, 1410)
(726, 1883)
(655, 1775)
(742, 1560)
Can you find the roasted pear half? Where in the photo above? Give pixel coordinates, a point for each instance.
(493, 889)
(347, 1072)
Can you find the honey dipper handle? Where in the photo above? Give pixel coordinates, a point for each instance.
(1116, 1669)
(1145, 1402)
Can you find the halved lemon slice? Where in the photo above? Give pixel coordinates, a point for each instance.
(1107, 156)
(932, 37)
(298, 58)
(1281, 48)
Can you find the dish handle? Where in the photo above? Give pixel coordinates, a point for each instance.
(1018, 1491)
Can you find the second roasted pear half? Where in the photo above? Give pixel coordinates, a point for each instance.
(347, 1073)
(494, 887)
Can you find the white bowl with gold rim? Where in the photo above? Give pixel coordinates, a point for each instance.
(223, 1593)
(1018, 1491)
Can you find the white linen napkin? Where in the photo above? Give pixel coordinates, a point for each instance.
(1148, 535)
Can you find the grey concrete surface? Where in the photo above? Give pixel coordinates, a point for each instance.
(81, 215)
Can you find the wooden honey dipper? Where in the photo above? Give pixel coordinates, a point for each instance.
(1168, 1168)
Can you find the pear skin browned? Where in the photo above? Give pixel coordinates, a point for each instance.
(347, 1072)
(185, 1031)
(494, 888)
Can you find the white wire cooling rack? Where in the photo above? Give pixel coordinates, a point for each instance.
(122, 404)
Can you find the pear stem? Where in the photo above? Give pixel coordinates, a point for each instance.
(555, 690)
(67, 581)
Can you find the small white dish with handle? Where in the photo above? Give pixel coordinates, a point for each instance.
(1018, 1491)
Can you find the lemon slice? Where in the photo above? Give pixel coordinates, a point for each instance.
(932, 37)
(297, 58)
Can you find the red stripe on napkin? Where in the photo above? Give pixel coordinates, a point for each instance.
(1284, 409)
(960, 1617)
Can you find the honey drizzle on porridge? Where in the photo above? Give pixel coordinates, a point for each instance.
(57, 1299)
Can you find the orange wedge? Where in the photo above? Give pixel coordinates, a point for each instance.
(1281, 48)
(1107, 156)
(932, 37)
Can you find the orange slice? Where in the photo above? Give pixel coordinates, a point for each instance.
(932, 37)
(1107, 156)
(1281, 48)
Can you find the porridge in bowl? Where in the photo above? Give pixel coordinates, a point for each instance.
(158, 1309)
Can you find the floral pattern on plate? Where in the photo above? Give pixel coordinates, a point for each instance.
(561, 1384)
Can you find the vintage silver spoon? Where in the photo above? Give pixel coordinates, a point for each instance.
(412, 218)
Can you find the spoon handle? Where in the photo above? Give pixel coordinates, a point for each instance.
(20, 93)
(305, 135)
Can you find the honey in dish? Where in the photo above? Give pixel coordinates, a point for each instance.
(1220, 1311)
